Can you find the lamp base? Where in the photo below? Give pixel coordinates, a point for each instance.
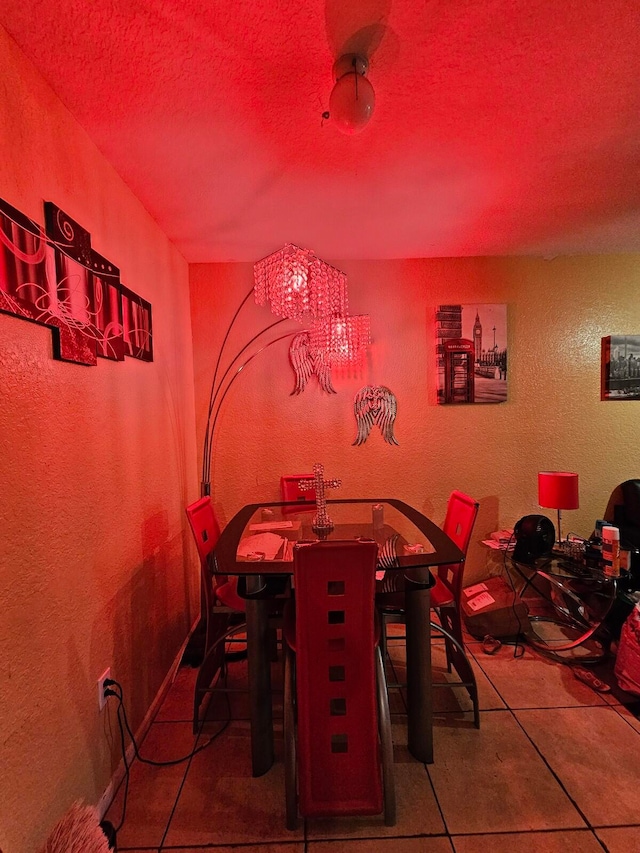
(559, 540)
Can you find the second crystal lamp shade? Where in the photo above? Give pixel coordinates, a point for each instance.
(343, 338)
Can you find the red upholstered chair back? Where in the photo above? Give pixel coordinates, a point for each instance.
(204, 525)
(458, 525)
(206, 532)
(339, 769)
(291, 492)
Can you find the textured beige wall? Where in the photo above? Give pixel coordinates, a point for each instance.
(558, 310)
(96, 466)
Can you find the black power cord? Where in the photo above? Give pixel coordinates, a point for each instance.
(114, 688)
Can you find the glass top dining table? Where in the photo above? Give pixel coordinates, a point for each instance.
(259, 540)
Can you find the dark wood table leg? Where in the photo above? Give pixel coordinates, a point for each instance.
(419, 696)
(262, 750)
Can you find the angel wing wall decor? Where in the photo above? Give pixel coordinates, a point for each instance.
(375, 404)
(306, 361)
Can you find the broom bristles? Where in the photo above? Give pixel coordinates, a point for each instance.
(78, 831)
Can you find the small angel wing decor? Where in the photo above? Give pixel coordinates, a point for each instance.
(375, 404)
(306, 361)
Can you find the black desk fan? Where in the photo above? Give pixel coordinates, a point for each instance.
(535, 536)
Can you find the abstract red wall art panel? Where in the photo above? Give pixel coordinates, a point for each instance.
(104, 280)
(54, 277)
(136, 322)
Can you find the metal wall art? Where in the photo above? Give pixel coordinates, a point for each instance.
(321, 521)
(53, 277)
(307, 361)
(375, 404)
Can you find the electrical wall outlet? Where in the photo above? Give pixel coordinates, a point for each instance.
(102, 699)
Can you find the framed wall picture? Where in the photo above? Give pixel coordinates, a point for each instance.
(621, 367)
(471, 347)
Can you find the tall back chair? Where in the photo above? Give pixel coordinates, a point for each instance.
(218, 596)
(340, 696)
(445, 594)
(218, 589)
(290, 490)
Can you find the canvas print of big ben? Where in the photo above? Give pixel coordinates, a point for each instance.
(471, 345)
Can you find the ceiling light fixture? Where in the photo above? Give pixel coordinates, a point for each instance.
(352, 99)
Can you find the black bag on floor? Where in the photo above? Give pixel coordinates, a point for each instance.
(491, 607)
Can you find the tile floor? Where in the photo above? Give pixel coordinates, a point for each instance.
(554, 768)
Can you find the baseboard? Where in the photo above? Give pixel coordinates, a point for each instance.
(118, 776)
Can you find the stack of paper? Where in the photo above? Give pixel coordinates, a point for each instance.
(262, 543)
(501, 540)
(274, 525)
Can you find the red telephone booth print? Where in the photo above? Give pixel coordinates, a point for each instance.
(459, 355)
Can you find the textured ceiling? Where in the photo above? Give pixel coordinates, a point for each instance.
(501, 126)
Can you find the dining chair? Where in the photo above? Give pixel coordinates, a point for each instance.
(446, 594)
(337, 730)
(221, 604)
(290, 491)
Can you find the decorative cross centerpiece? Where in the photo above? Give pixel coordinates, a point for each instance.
(321, 521)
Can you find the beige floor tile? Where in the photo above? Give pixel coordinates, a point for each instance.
(628, 716)
(237, 703)
(295, 847)
(587, 748)
(178, 703)
(397, 703)
(493, 780)
(568, 841)
(622, 697)
(221, 705)
(534, 681)
(412, 786)
(221, 803)
(454, 700)
(620, 839)
(152, 790)
(439, 844)
(488, 698)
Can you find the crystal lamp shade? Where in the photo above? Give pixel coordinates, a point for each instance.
(299, 286)
(344, 338)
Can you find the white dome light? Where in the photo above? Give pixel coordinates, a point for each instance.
(353, 99)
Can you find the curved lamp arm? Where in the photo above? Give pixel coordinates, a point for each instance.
(217, 386)
(217, 367)
(211, 423)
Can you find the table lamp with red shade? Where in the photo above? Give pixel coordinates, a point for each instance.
(558, 490)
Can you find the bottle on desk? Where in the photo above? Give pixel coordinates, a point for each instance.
(611, 551)
(377, 515)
